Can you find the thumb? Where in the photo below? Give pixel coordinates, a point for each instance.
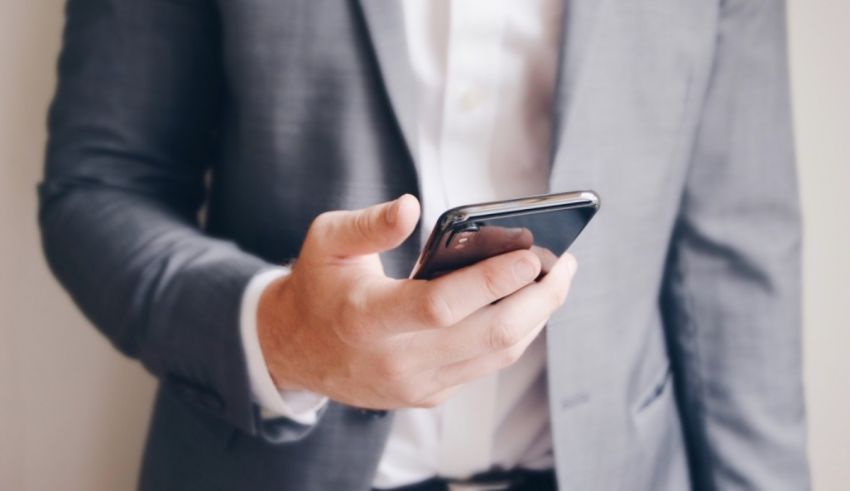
(367, 231)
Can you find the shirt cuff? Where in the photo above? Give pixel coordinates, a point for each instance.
(300, 406)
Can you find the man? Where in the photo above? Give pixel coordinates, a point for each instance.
(675, 362)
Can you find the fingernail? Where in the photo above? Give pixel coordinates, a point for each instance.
(525, 270)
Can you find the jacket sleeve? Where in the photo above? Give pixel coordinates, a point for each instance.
(732, 286)
(131, 135)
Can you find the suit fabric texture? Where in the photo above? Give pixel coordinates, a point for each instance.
(193, 141)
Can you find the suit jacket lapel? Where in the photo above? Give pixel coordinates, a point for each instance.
(579, 24)
(385, 23)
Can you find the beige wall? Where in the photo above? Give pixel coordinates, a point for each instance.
(820, 56)
(73, 413)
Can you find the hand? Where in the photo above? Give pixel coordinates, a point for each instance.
(338, 326)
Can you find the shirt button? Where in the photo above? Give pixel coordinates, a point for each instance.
(471, 98)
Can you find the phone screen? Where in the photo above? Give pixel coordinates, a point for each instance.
(546, 232)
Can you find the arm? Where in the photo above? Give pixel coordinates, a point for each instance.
(732, 292)
(130, 129)
(134, 116)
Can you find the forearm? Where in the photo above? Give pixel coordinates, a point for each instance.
(130, 136)
(157, 287)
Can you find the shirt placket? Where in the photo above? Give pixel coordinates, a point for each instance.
(467, 420)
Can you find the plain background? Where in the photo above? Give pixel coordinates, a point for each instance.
(73, 412)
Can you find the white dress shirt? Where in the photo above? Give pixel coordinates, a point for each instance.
(485, 74)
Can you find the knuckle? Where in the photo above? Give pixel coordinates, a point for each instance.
(495, 283)
(503, 334)
(363, 225)
(352, 309)
(390, 368)
(355, 334)
(435, 310)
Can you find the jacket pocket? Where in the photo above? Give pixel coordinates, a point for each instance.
(661, 385)
(660, 433)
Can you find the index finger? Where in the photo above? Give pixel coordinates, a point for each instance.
(450, 298)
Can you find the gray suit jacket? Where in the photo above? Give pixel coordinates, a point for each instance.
(676, 361)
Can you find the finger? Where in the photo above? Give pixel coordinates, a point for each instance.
(501, 326)
(471, 246)
(547, 258)
(468, 370)
(493, 240)
(449, 299)
(440, 396)
(370, 230)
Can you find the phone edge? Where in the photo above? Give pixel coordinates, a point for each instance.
(463, 213)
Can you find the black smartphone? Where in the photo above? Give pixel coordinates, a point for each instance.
(546, 224)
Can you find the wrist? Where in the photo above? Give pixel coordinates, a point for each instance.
(275, 317)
